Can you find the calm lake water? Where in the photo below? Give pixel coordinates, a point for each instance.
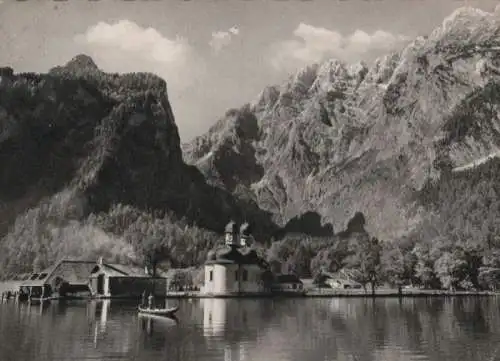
(464, 329)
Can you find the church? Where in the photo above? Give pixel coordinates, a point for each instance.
(234, 269)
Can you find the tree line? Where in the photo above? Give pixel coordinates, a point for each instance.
(127, 235)
(437, 264)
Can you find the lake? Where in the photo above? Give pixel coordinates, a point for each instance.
(343, 329)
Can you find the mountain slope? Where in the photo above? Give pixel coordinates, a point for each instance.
(338, 138)
(78, 142)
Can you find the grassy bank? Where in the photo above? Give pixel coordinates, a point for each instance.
(320, 292)
(385, 292)
(316, 292)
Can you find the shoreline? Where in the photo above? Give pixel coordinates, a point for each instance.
(342, 293)
(307, 293)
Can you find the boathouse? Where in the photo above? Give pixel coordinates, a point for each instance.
(90, 278)
(65, 277)
(109, 280)
(234, 269)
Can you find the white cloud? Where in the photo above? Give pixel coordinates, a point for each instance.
(234, 30)
(125, 46)
(221, 39)
(317, 44)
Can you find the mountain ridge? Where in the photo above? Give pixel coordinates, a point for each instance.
(338, 138)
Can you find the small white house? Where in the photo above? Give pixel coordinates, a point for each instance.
(342, 283)
(339, 280)
(233, 269)
(288, 283)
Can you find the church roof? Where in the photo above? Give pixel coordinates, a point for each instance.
(245, 229)
(231, 227)
(231, 255)
(288, 278)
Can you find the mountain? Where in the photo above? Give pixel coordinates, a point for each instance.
(409, 141)
(85, 156)
(405, 149)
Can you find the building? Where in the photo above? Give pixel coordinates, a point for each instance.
(341, 279)
(288, 283)
(91, 279)
(234, 269)
(108, 280)
(65, 277)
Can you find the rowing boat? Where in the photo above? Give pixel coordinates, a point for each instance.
(49, 298)
(159, 311)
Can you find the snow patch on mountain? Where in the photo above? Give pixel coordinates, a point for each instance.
(477, 162)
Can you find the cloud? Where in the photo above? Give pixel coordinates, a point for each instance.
(124, 46)
(221, 39)
(317, 44)
(234, 30)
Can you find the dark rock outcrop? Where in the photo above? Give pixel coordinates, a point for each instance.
(103, 139)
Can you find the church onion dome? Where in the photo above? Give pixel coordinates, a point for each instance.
(231, 227)
(245, 229)
(226, 255)
(212, 255)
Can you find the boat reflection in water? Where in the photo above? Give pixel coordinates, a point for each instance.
(150, 323)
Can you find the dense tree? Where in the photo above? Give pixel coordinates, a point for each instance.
(450, 268)
(398, 263)
(424, 267)
(364, 261)
(489, 273)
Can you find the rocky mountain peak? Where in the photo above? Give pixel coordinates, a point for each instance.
(336, 137)
(81, 61)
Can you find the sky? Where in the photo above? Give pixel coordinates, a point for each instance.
(214, 54)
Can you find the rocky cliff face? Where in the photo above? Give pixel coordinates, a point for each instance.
(80, 141)
(340, 138)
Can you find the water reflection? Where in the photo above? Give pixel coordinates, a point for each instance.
(231, 323)
(214, 316)
(432, 329)
(441, 329)
(233, 315)
(100, 325)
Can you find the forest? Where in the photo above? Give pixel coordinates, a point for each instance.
(127, 235)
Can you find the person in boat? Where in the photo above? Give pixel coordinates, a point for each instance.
(143, 299)
(150, 301)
